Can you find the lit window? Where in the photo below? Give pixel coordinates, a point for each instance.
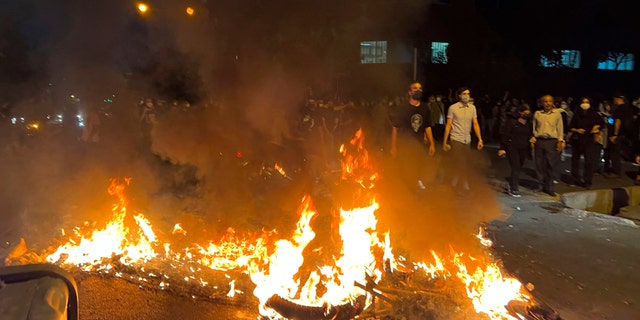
(561, 59)
(439, 52)
(373, 52)
(616, 61)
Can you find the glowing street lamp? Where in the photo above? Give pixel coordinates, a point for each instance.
(190, 11)
(142, 7)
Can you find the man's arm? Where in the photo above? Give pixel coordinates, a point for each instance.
(535, 124)
(476, 129)
(429, 137)
(560, 130)
(445, 139)
(617, 123)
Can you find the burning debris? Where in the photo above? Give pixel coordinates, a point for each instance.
(353, 272)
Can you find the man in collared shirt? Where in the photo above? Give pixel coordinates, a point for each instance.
(461, 118)
(548, 140)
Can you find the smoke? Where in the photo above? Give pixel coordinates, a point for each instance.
(202, 161)
(442, 217)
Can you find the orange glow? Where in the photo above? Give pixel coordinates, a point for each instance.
(488, 289)
(115, 239)
(280, 169)
(355, 162)
(142, 7)
(276, 266)
(190, 11)
(33, 125)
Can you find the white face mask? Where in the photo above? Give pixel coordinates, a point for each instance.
(465, 98)
(438, 99)
(585, 106)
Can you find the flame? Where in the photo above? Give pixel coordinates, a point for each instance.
(280, 169)
(177, 229)
(283, 266)
(355, 162)
(115, 239)
(489, 291)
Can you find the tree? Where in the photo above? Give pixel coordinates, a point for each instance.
(616, 58)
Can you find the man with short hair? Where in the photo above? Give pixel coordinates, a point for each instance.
(548, 140)
(462, 117)
(411, 130)
(622, 131)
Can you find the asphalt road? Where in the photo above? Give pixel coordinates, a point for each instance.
(583, 265)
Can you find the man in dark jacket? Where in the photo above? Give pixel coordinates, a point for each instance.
(515, 144)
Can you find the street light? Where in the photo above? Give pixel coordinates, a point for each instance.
(143, 8)
(190, 11)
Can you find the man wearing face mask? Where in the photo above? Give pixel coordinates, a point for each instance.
(584, 125)
(515, 145)
(462, 117)
(410, 132)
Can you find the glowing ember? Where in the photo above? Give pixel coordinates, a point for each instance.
(177, 229)
(280, 169)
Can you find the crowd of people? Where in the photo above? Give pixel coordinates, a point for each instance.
(598, 135)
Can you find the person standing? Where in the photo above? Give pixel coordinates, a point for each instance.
(603, 162)
(462, 117)
(584, 126)
(548, 140)
(411, 129)
(515, 145)
(436, 108)
(622, 119)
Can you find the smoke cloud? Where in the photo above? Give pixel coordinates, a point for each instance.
(199, 162)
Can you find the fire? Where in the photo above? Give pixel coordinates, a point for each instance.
(115, 239)
(489, 291)
(360, 257)
(280, 169)
(355, 162)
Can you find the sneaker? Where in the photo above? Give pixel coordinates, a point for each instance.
(514, 193)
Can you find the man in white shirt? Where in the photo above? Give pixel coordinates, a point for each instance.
(462, 117)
